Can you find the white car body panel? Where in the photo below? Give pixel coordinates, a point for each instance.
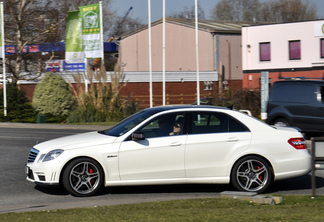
(208, 155)
(200, 158)
(154, 158)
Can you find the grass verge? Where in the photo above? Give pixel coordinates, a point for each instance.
(293, 208)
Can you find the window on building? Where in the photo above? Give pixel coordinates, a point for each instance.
(322, 48)
(265, 53)
(208, 85)
(294, 50)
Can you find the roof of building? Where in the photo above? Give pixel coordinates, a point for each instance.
(203, 25)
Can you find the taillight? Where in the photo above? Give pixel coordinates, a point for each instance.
(298, 143)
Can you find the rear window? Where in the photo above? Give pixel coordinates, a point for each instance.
(292, 93)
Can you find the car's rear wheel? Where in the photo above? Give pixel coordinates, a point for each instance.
(82, 177)
(251, 174)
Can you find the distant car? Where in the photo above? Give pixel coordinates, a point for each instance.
(298, 103)
(172, 145)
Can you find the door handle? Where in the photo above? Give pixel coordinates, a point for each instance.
(176, 143)
(232, 139)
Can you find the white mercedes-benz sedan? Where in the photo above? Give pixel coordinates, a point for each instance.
(173, 145)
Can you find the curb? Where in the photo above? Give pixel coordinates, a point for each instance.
(253, 197)
(53, 126)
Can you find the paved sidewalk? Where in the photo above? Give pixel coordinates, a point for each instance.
(53, 126)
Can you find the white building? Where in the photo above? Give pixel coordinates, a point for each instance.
(284, 50)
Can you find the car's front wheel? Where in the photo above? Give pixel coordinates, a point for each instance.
(82, 177)
(251, 174)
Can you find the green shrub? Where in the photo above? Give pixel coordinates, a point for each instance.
(53, 97)
(18, 108)
(241, 99)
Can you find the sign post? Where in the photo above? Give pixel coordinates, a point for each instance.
(264, 94)
(2, 55)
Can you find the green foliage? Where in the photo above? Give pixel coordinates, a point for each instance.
(102, 102)
(241, 99)
(53, 96)
(293, 208)
(18, 108)
(121, 109)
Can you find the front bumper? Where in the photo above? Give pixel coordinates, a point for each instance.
(42, 176)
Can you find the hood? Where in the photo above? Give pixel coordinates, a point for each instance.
(75, 141)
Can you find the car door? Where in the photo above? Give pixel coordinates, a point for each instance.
(319, 110)
(159, 156)
(214, 140)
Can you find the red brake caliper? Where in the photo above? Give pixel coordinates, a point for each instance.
(260, 177)
(91, 172)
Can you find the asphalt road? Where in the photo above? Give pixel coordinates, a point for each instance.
(17, 194)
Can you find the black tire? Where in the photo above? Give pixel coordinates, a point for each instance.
(281, 122)
(82, 177)
(251, 174)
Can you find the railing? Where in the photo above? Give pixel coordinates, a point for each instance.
(317, 159)
(144, 100)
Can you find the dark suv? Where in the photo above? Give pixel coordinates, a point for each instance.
(298, 103)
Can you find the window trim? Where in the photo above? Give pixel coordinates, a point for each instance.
(260, 51)
(322, 48)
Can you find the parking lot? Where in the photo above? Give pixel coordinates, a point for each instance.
(17, 194)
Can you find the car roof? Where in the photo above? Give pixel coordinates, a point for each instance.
(321, 82)
(158, 109)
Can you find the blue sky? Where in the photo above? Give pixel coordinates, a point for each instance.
(140, 7)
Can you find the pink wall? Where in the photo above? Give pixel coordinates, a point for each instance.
(180, 50)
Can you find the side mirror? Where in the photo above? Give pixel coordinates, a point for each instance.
(138, 136)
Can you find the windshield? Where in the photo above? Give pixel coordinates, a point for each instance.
(128, 123)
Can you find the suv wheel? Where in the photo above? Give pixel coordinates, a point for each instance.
(281, 122)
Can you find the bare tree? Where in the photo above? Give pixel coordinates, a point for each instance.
(237, 10)
(188, 13)
(125, 23)
(288, 10)
(264, 11)
(30, 22)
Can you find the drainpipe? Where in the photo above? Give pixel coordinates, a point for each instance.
(229, 63)
(216, 51)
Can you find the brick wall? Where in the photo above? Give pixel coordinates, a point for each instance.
(176, 92)
(252, 80)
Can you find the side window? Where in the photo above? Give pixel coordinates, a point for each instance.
(322, 94)
(164, 125)
(236, 126)
(209, 122)
(213, 122)
(297, 93)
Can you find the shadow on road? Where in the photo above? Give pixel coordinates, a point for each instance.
(52, 190)
(159, 189)
(182, 188)
(297, 185)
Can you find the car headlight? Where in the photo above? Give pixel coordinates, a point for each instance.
(50, 155)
